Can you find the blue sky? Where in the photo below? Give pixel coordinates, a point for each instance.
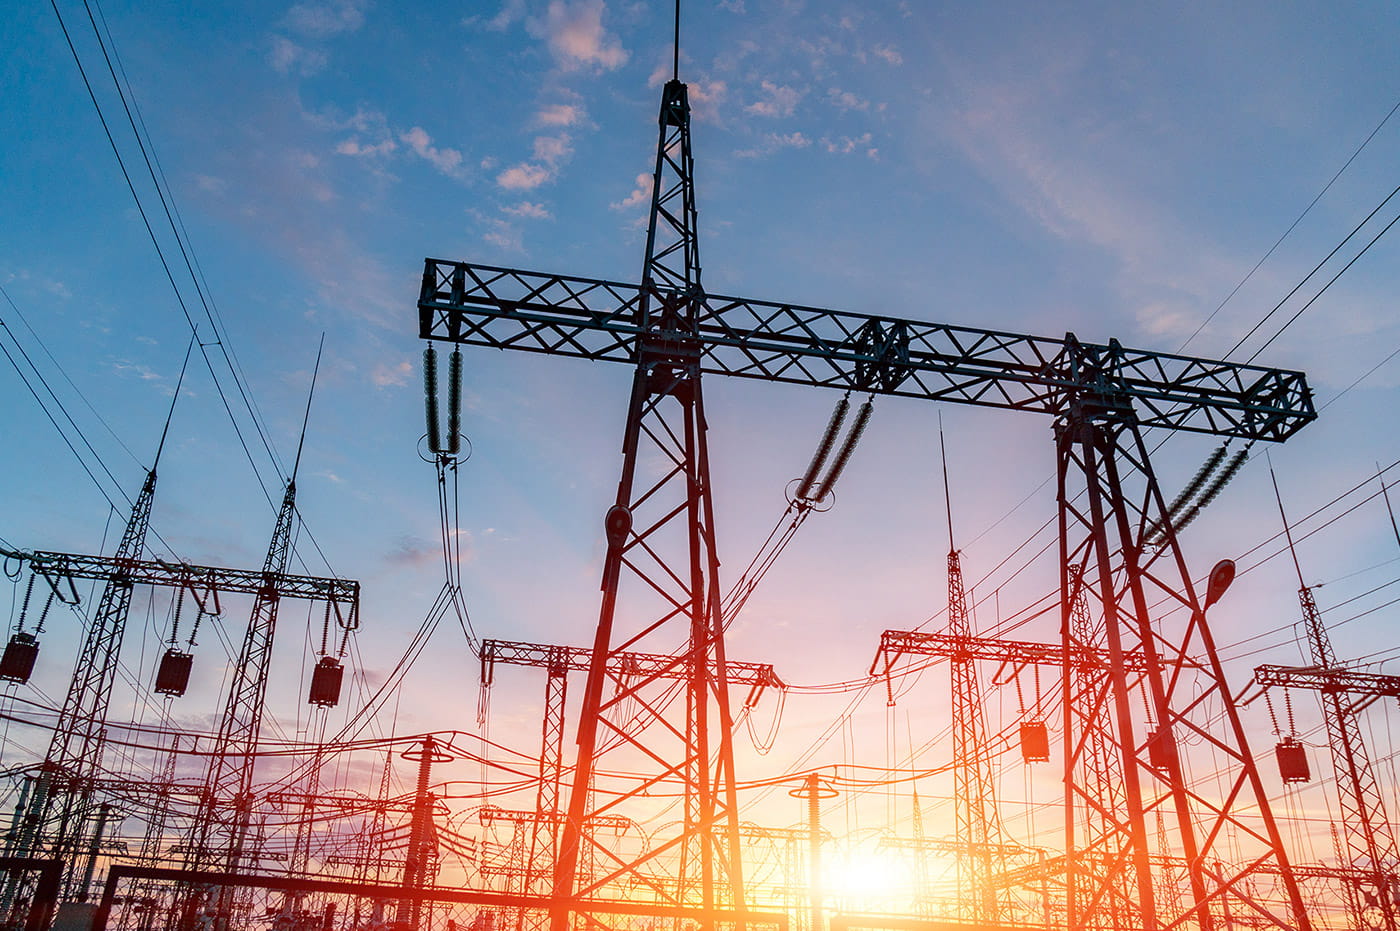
(1106, 169)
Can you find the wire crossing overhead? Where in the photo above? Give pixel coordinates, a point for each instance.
(590, 318)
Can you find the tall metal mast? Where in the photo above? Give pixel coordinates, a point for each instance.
(974, 797)
(661, 553)
(1370, 842)
(1116, 542)
(225, 812)
(54, 822)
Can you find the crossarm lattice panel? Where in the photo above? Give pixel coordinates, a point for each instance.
(603, 320)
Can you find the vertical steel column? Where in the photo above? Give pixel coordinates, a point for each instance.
(225, 814)
(415, 867)
(1370, 845)
(660, 536)
(1105, 532)
(978, 828)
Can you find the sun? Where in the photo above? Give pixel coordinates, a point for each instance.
(866, 877)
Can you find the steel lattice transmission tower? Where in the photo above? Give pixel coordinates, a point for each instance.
(226, 808)
(661, 549)
(977, 822)
(1370, 844)
(1115, 532)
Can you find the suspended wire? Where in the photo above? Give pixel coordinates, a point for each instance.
(1308, 277)
(1291, 227)
(155, 241)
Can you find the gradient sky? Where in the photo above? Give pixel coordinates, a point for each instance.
(1104, 169)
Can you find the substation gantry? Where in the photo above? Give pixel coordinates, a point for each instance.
(1368, 852)
(558, 661)
(661, 554)
(68, 785)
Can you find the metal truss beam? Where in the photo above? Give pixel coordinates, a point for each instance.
(1343, 681)
(205, 582)
(576, 659)
(587, 318)
(1017, 653)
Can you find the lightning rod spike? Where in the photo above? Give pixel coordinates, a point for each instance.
(306, 418)
(1287, 531)
(160, 447)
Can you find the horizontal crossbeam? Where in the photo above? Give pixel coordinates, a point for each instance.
(578, 659)
(603, 320)
(1328, 680)
(893, 643)
(198, 580)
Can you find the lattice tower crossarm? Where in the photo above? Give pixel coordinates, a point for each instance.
(1101, 396)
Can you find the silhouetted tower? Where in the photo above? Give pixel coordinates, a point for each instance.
(1116, 534)
(660, 533)
(225, 813)
(1087, 690)
(1369, 842)
(978, 826)
(55, 821)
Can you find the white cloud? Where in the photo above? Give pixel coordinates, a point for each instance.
(510, 12)
(319, 20)
(549, 153)
(354, 147)
(501, 233)
(553, 149)
(847, 144)
(385, 375)
(286, 57)
(641, 194)
(524, 177)
(559, 114)
(889, 53)
(447, 161)
(705, 98)
(528, 210)
(576, 36)
(772, 142)
(845, 100)
(780, 100)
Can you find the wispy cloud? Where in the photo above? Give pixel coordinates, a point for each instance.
(550, 152)
(354, 147)
(577, 39)
(778, 100)
(845, 100)
(559, 114)
(772, 142)
(888, 53)
(286, 57)
(845, 145)
(511, 11)
(385, 375)
(528, 210)
(319, 20)
(641, 194)
(447, 161)
(524, 177)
